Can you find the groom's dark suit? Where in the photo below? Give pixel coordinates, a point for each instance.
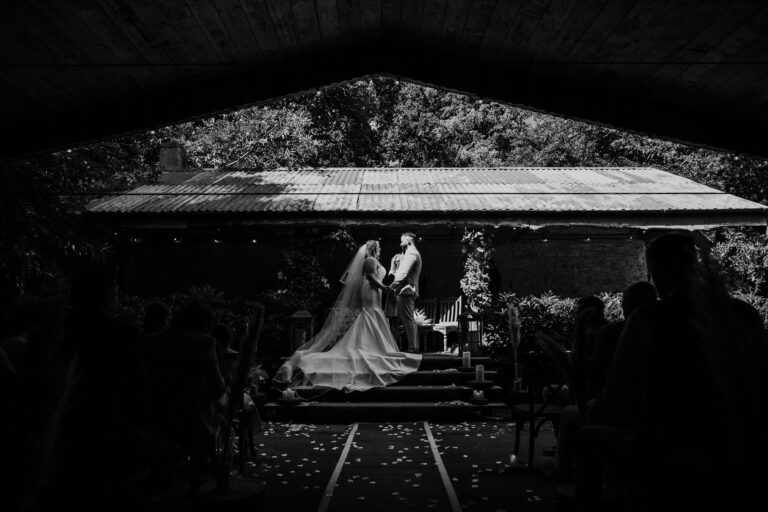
(406, 287)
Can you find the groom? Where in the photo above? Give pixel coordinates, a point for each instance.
(406, 288)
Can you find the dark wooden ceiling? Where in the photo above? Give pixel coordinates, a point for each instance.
(78, 70)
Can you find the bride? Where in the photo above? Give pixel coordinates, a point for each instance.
(355, 349)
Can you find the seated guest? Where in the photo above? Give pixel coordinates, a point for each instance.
(680, 363)
(589, 320)
(104, 404)
(634, 296)
(186, 380)
(226, 356)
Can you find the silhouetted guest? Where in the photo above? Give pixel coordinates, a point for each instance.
(226, 356)
(589, 319)
(634, 296)
(680, 363)
(186, 380)
(97, 445)
(156, 318)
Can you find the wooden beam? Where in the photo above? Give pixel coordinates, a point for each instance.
(520, 85)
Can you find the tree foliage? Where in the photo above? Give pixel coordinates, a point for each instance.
(374, 122)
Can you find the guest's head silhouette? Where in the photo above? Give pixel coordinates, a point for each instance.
(672, 262)
(636, 295)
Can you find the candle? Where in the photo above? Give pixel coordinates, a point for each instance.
(289, 394)
(465, 359)
(479, 373)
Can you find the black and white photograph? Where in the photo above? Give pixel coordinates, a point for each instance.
(383, 255)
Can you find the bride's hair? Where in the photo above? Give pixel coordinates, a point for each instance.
(372, 248)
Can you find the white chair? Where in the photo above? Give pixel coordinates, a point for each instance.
(448, 318)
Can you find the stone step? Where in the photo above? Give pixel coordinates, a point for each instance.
(440, 378)
(445, 361)
(440, 393)
(335, 412)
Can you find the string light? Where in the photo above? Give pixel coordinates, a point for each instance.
(253, 241)
(545, 240)
(216, 241)
(587, 239)
(176, 240)
(135, 239)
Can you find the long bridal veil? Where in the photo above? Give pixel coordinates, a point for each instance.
(345, 310)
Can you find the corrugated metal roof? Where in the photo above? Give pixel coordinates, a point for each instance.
(422, 190)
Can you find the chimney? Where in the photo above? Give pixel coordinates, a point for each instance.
(172, 157)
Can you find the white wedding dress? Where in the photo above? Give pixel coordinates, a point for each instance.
(355, 349)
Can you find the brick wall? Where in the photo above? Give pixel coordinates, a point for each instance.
(565, 263)
(570, 265)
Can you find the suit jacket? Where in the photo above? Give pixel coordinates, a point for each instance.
(407, 275)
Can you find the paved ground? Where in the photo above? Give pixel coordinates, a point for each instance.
(392, 467)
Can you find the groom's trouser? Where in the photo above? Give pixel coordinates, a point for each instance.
(405, 304)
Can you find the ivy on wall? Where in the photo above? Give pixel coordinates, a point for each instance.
(476, 282)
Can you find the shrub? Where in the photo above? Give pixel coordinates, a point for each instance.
(537, 312)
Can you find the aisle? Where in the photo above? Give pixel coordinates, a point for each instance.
(392, 466)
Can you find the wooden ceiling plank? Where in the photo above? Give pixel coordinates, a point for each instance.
(745, 88)
(350, 21)
(453, 23)
(24, 79)
(285, 27)
(549, 26)
(665, 39)
(190, 37)
(207, 16)
(260, 21)
(577, 23)
(390, 18)
(370, 18)
(235, 20)
(628, 32)
(328, 18)
(675, 40)
(478, 20)
(432, 21)
(525, 23)
(307, 24)
(77, 47)
(111, 36)
(502, 23)
(700, 49)
(127, 21)
(743, 44)
(178, 56)
(411, 16)
(604, 23)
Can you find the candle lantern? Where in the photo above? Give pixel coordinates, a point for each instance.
(470, 330)
(302, 328)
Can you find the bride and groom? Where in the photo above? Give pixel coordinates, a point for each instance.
(355, 349)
